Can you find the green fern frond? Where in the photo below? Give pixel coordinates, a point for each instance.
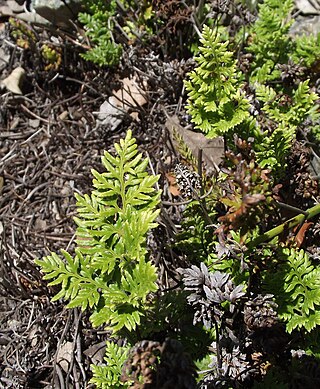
(78, 283)
(123, 302)
(274, 147)
(270, 42)
(273, 150)
(113, 222)
(307, 50)
(215, 100)
(98, 25)
(302, 105)
(117, 318)
(110, 273)
(105, 53)
(108, 376)
(296, 287)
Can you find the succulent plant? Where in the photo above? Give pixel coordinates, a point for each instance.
(208, 292)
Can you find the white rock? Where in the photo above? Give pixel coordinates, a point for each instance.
(14, 80)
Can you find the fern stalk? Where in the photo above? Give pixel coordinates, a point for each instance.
(309, 214)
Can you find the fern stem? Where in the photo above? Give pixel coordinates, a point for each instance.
(309, 214)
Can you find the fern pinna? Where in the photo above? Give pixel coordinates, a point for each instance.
(110, 273)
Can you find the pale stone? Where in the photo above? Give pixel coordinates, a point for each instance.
(58, 12)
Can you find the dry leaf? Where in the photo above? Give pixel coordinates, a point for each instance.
(212, 149)
(112, 110)
(96, 352)
(299, 238)
(14, 80)
(64, 355)
(173, 187)
(130, 95)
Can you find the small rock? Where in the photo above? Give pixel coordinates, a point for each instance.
(15, 6)
(306, 25)
(112, 111)
(58, 12)
(14, 80)
(308, 7)
(34, 123)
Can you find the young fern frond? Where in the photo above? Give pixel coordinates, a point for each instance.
(110, 272)
(216, 101)
(307, 49)
(274, 148)
(293, 113)
(272, 152)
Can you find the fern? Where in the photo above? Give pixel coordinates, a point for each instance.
(216, 101)
(108, 377)
(98, 25)
(272, 152)
(271, 44)
(269, 39)
(296, 286)
(307, 50)
(110, 273)
(274, 148)
(302, 104)
(185, 151)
